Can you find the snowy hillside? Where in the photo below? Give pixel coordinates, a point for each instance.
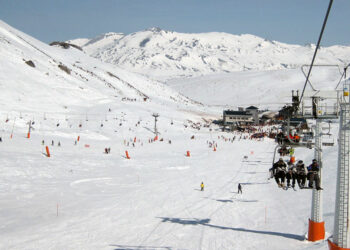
(44, 77)
(165, 54)
(264, 89)
(81, 197)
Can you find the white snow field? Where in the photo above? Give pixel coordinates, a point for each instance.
(264, 89)
(82, 198)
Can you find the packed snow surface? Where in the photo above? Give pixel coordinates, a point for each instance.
(82, 198)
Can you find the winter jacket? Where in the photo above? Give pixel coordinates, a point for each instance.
(279, 166)
(300, 168)
(292, 169)
(314, 167)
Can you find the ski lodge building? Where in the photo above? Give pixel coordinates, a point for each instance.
(249, 116)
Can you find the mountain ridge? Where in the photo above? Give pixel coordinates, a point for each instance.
(163, 54)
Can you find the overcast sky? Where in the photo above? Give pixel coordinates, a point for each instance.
(289, 21)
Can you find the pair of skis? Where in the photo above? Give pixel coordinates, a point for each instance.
(288, 187)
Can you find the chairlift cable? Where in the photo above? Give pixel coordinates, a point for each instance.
(316, 49)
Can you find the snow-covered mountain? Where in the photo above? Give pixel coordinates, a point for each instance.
(166, 54)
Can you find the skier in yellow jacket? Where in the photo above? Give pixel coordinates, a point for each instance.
(202, 186)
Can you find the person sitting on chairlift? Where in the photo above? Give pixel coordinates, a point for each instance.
(291, 174)
(280, 138)
(313, 170)
(301, 173)
(279, 172)
(283, 151)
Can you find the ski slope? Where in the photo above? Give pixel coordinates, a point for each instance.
(82, 198)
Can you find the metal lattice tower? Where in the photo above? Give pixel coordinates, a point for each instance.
(316, 208)
(341, 220)
(155, 115)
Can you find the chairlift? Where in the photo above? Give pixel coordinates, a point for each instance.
(308, 136)
(328, 128)
(296, 137)
(329, 142)
(278, 148)
(271, 172)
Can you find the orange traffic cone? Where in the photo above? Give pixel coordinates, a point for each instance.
(47, 151)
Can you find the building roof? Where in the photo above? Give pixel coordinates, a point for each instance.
(232, 112)
(251, 107)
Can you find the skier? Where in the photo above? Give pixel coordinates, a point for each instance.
(202, 186)
(52, 143)
(301, 173)
(42, 142)
(314, 169)
(59, 144)
(291, 174)
(279, 172)
(0, 139)
(239, 188)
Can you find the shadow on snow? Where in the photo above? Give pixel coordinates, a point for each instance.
(125, 247)
(205, 222)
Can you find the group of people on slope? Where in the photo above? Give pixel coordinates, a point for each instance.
(296, 172)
